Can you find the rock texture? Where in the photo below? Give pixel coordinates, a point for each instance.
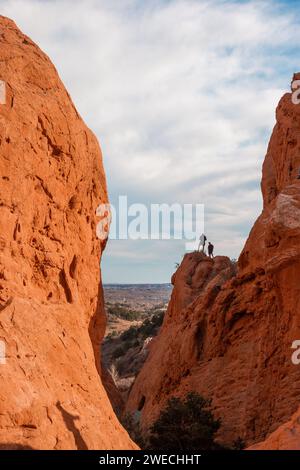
(229, 336)
(51, 307)
(286, 437)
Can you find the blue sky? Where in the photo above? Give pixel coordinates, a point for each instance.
(182, 96)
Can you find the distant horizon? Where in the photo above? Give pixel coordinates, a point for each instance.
(105, 284)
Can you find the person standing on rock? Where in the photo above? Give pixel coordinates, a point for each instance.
(202, 242)
(210, 250)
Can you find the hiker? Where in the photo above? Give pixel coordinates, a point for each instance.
(210, 250)
(202, 242)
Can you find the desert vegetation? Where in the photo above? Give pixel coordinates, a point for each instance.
(125, 350)
(185, 425)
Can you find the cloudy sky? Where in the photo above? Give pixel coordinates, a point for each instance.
(182, 95)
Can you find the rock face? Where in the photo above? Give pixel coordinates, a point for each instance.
(286, 437)
(229, 336)
(51, 307)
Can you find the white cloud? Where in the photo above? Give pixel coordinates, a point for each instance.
(181, 94)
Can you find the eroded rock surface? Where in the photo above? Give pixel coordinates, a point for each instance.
(229, 336)
(51, 307)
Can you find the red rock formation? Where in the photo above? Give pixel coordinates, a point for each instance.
(229, 337)
(51, 312)
(286, 437)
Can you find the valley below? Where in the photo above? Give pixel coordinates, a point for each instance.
(135, 313)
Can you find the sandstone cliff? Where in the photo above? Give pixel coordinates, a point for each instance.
(229, 336)
(51, 307)
(286, 437)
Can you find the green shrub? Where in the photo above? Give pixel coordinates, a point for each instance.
(185, 425)
(129, 334)
(112, 334)
(123, 311)
(150, 326)
(119, 351)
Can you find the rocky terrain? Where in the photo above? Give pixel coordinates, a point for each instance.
(134, 316)
(129, 304)
(51, 304)
(124, 354)
(140, 297)
(229, 329)
(286, 437)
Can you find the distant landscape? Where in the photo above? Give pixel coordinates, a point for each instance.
(143, 295)
(134, 313)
